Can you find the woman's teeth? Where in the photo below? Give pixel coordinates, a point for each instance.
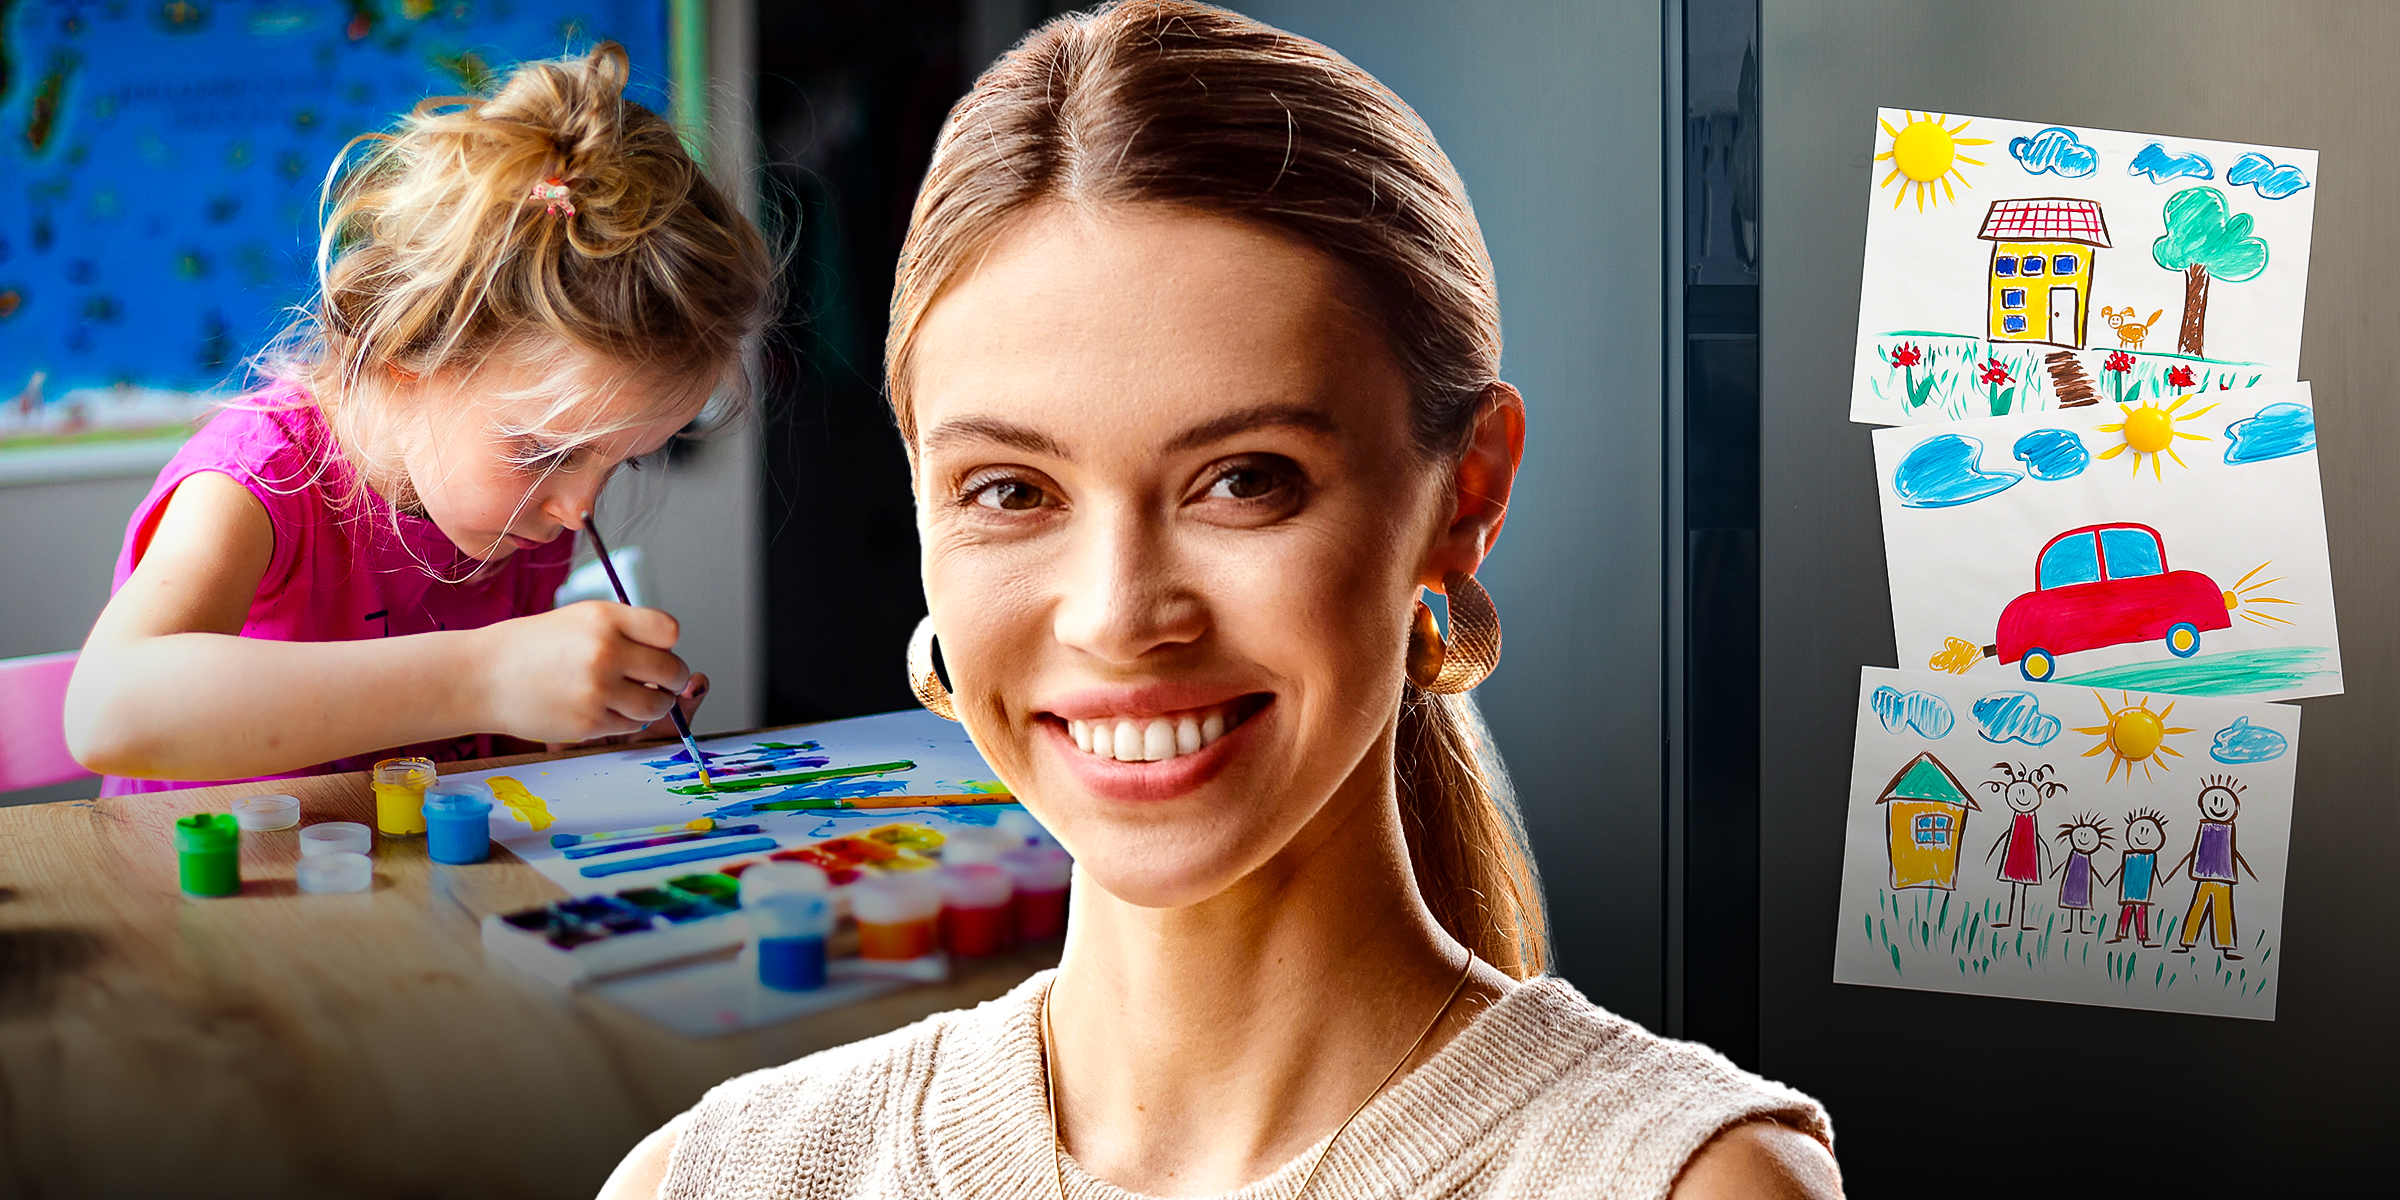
(1151, 739)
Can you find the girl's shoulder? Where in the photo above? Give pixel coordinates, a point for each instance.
(276, 435)
(1620, 1104)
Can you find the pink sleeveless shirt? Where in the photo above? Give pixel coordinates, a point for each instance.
(341, 571)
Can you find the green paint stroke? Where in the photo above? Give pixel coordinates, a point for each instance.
(2240, 673)
(788, 778)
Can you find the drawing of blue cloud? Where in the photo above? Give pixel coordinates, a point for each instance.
(2259, 171)
(2052, 454)
(1924, 712)
(1942, 471)
(2014, 717)
(2243, 742)
(2054, 150)
(2278, 431)
(2161, 165)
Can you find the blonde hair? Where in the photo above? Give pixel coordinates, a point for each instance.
(1175, 103)
(437, 255)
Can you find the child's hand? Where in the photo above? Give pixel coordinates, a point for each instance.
(581, 672)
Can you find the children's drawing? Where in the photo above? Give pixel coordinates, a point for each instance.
(2095, 884)
(2243, 742)
(2133, 736)
(2023, 857)
(1922, 711)
(787, 782)
(1925, 810)
(2037, 282)
(2190, 573)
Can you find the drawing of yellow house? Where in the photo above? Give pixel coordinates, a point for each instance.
(1925, 818)
(2041, 268)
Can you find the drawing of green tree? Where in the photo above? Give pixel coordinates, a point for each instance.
(2205, 243)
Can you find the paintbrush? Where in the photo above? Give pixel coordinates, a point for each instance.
(674, 710)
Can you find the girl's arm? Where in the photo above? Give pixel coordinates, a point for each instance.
(167, 689)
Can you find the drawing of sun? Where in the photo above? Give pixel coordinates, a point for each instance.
(2134, 733)
(1925, 153)
(2151, 430)
(2241, 597)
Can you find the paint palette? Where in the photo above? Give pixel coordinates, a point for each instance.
(574, 942)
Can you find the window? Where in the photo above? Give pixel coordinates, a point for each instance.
(2032, 265)
(2065, 264)
(2012, 297)
(2004, 265)
(1932, 829)
(2131, 553)
(2069, 560)
(2012, 324)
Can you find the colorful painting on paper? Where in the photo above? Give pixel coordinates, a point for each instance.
(2014, 267)
(2085, 845)
(2159, 542)
(808, 782)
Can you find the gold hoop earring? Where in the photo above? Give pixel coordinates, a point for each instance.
(922, 678)
(1465, 658)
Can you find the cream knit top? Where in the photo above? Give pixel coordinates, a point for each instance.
(1542, 1095)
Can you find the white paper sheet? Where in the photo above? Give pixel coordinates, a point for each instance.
(2219, 584)
(634, 789)
(2086, 795)
(1955, 322)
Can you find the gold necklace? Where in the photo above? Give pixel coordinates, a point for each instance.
(1058, 1159)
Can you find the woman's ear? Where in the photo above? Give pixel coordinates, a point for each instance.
(1479, 486)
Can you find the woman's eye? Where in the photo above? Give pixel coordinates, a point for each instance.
(1251, 481)
(1009, 495)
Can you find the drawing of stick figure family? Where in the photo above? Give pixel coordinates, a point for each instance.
(2213, 861)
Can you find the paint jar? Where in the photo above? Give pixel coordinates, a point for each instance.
(208, 853)
(266, 814)
(336, 837)
(790, 917)
(335, 872)
(458, 824)
(976, 916)
(898, 913)
(1023, 830)
(972, 845)
(400, 785)
(1041, 876)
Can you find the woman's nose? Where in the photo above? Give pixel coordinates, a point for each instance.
(1123, 594)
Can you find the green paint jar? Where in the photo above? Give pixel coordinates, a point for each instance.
(208, 854)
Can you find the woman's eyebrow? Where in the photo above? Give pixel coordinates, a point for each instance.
(1262, 416)
(992, 429)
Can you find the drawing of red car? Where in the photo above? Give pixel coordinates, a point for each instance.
(2106, 585)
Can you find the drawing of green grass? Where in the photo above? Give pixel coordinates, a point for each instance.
(1951, 368)
(1941, 934)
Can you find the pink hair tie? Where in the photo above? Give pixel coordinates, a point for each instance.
(554, 190)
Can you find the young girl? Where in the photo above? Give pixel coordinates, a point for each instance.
(517, 295)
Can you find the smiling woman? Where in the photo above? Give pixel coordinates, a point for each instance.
(1195, 349)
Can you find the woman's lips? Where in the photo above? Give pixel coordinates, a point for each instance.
(1176, 770)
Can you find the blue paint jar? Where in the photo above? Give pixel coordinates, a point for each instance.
(458, 824)
(790, 911)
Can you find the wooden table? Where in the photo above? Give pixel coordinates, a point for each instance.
(279, 1043)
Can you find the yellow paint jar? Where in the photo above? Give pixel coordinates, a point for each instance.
(400, 785)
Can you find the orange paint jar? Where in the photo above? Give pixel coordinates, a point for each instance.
(898, 914)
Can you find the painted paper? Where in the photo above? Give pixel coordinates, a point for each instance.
(2016, 267)
(2165, 541)
(2091, 846)
(806, 783)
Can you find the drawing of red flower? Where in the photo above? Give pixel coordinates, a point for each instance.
(2118, 361)
(1906, 355)
(2179, 377)
(1994, 373)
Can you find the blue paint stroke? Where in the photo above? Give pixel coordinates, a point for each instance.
(2055, 150)
(2052, 454)
(823, 789)
(2272, 182)
(740, 764)
(1924, 712)
(2243, 742)
(2161, 165)
(2276, 431)
(987, 815)
(1942, 472)
(2014, 717)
